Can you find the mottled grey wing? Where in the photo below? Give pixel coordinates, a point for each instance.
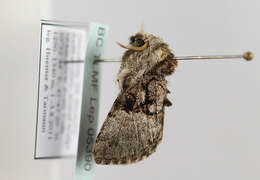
(134, 125)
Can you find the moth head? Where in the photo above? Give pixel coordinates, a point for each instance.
(137, 42)
(142, 41)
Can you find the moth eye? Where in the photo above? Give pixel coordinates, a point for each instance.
(139, 42)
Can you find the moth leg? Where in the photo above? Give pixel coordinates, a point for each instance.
(121, 77)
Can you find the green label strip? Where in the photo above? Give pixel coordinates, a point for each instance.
(90, 103)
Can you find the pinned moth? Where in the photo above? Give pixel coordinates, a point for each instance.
(134, 126)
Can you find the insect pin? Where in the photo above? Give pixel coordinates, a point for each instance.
(134, 126)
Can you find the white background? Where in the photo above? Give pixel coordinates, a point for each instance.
(211, 132)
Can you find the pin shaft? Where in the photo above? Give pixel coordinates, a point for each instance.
(208, 57)
(247, 56)
(108, 60)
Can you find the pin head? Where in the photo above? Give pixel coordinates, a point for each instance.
(248, 56)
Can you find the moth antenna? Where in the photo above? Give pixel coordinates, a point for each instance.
(142, 28)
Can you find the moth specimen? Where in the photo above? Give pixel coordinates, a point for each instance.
(134, 126)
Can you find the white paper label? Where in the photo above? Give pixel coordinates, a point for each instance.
(63, 51)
